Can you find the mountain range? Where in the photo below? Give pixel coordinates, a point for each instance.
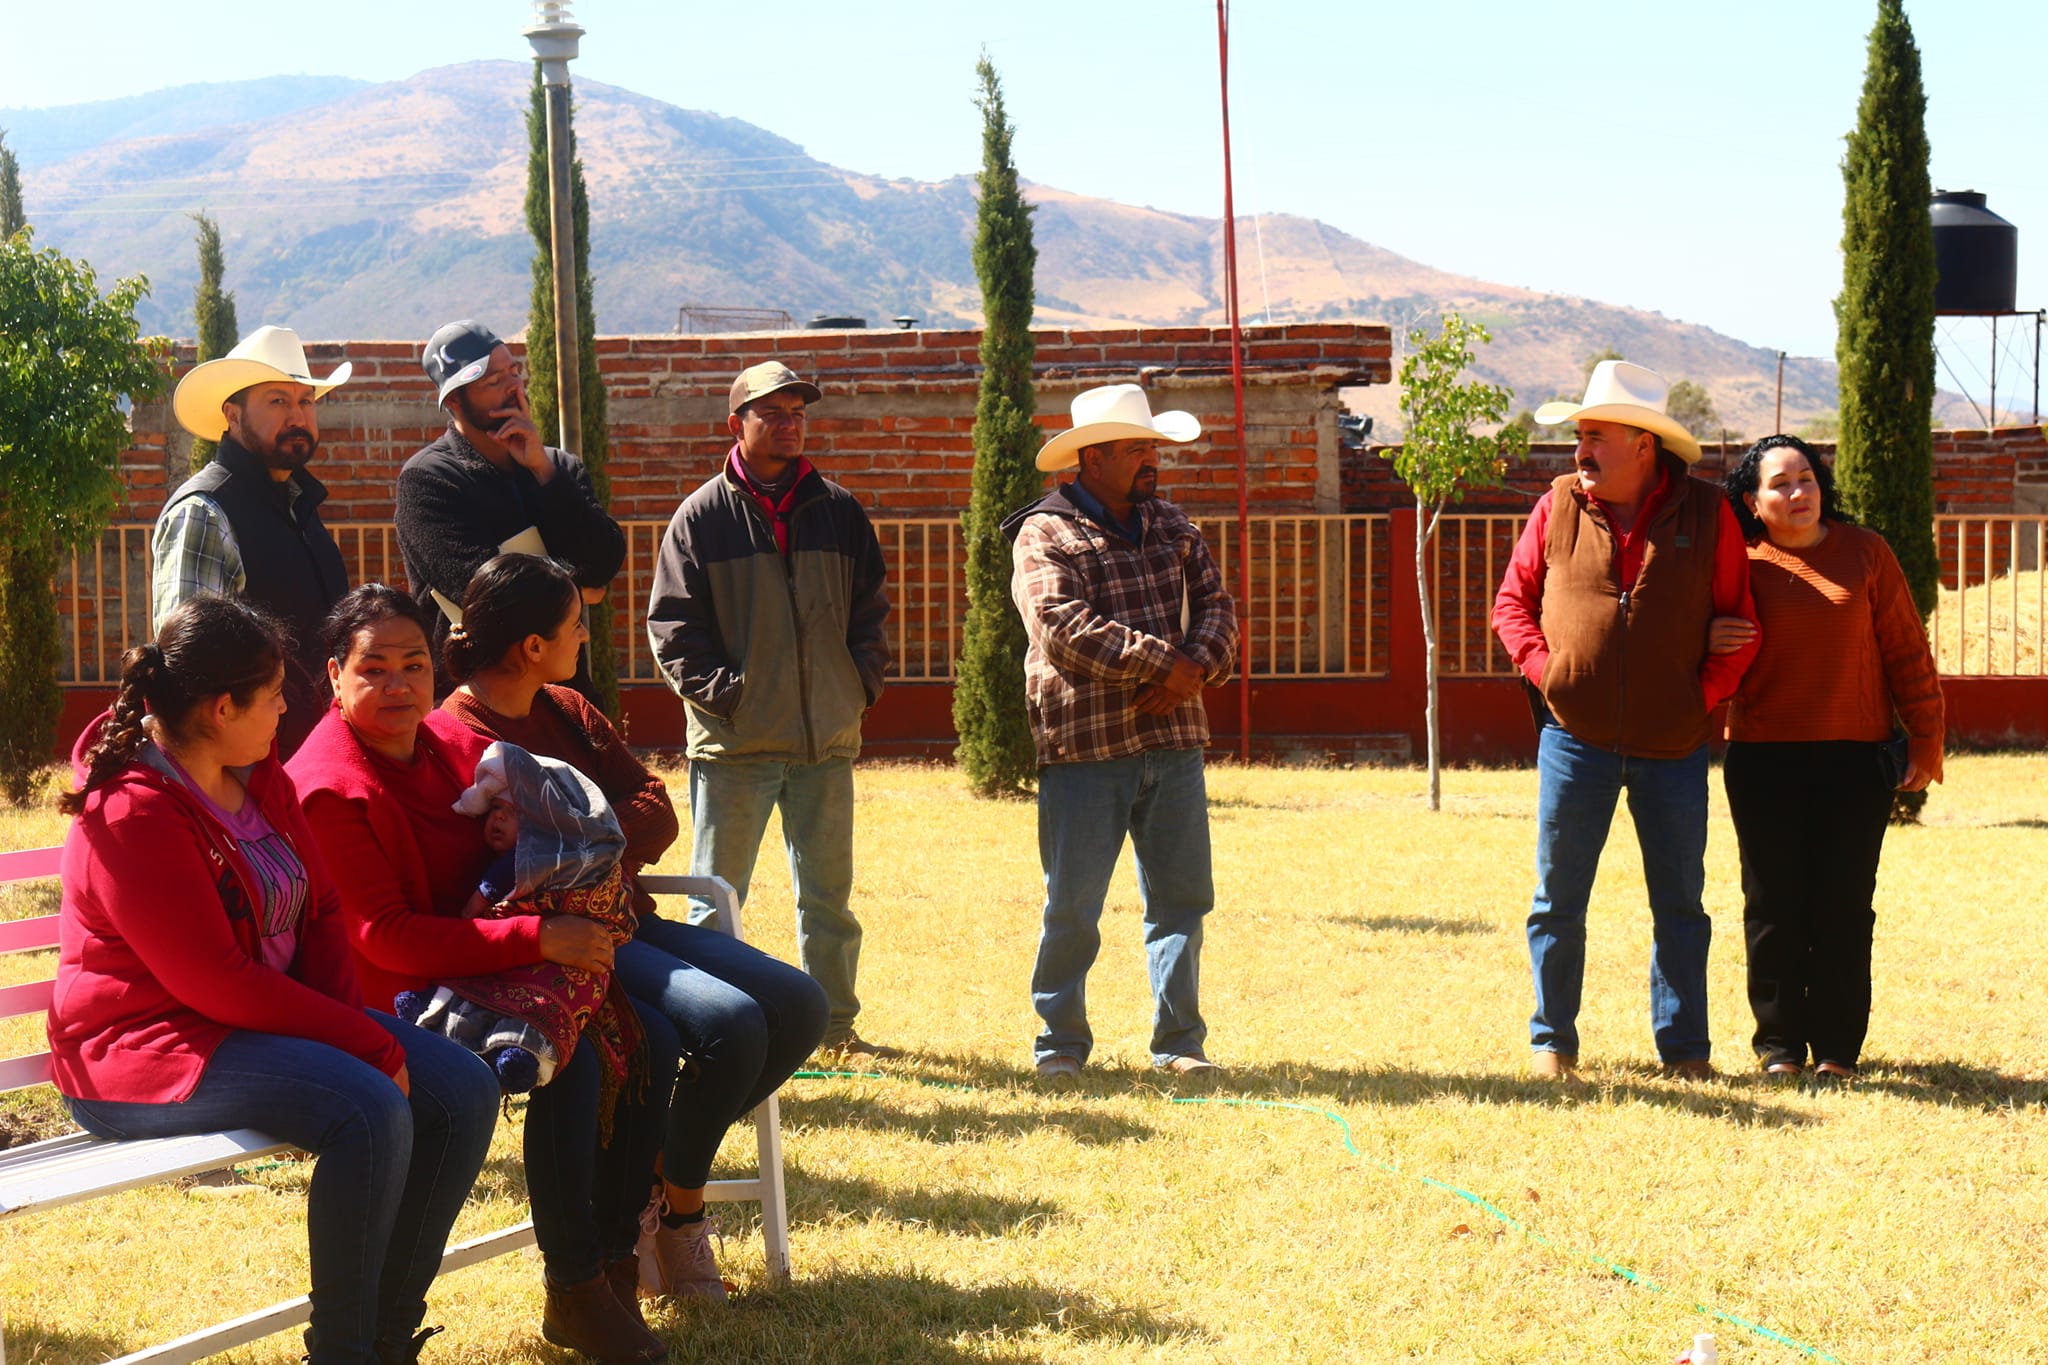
(381, 211)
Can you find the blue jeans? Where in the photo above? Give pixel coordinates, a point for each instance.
(1084, 810)
(1667, 798)
(587, 1192)
(393, 1169)
(745, 1020)
(730, 803)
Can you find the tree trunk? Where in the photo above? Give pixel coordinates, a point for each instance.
(1425, 528)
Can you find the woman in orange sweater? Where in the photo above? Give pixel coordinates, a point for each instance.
(1811, 768)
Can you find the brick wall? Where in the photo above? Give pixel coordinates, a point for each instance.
(2002, 470)
(895, 427)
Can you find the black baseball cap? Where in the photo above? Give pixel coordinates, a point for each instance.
(457, 354)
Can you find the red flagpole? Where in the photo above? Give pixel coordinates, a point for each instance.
(1244, 525)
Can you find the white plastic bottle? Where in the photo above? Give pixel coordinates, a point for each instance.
(1702, 1352)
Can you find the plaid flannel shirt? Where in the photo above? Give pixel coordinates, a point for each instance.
(193, 551)
(1104, 618)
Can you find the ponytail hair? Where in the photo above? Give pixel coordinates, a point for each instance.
(508, 599)
(209, 646)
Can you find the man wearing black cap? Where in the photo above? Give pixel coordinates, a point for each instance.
(488, 486)
(767, 619)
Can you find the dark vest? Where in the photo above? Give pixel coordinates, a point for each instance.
(290, 566)
(1624, 670)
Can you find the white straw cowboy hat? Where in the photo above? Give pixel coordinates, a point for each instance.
(268, 355)
(1114, 412)
(1620, 392)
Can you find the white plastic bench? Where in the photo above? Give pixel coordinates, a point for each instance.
(65, 1170)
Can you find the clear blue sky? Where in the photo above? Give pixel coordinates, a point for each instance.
(1677, 158)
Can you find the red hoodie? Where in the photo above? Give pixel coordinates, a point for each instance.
(154, 971)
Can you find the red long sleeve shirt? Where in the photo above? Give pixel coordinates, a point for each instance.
(1518, 608)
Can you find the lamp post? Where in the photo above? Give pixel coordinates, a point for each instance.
(553, 35)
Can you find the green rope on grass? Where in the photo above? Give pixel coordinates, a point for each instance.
(1476, 1201)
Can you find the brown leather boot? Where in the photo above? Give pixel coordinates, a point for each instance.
(623, 1275)
(588, 1317)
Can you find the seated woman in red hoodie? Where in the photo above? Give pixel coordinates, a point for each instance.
(380, 775)
(204, 981)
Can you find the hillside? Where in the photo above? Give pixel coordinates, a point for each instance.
(386, 210)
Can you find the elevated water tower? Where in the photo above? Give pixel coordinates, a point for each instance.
(1976, 263)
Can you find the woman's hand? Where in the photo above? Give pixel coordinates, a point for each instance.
(1917, 778)
(1726, 634)
(403, 1080)
(575, 942)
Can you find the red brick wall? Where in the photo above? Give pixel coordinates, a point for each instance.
(895, 427)
(1996, 471)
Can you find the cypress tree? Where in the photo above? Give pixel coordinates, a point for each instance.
(214, 312)
(1884, 346)
(988, 694)
(594, 444)
(13, 217)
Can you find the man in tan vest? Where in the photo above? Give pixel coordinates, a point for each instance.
(1605, 608)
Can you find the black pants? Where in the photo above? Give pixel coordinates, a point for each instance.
(1810, 821)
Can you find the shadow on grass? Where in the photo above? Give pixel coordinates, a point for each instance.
(848, 1315)
(1416, 924)
(959, 1211)
(1304, 1083)
(950, 1122)
(2027, 823)
(1950, 1083)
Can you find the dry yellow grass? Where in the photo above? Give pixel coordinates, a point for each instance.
(1998, 628)
(1366, 961)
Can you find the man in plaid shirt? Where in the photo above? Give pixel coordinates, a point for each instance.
(1127, 620)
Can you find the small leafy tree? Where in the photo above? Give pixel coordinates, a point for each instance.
(1441, 458)
(13, 218)
(594, 445)
(214, 312)
(1692, 407)
(996, 750)
(68, 359)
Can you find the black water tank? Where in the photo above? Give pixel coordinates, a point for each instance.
(835, 322)
(1976, 256)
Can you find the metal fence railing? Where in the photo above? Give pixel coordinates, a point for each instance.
(1320, 604)
(1319, 594)
(1991, 617)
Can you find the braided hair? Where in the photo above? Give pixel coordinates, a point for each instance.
(209, 646)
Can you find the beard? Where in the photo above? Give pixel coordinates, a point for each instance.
(289, 450)
(1144, 488)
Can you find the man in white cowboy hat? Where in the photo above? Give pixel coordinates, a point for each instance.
(249, 522)
(1605, 608)
(768, 618)
(1127, 620)
(490, 485)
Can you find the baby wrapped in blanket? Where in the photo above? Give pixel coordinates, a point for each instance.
(562, 847)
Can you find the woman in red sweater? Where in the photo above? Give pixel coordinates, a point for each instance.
(204, 980)
(1810, 769)
(379, 776)
(746, 1020)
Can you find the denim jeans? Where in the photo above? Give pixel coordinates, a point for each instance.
(1084, 810)
(587, 1192)
(745, 1020)
(1667, 798)
(730, 803)
(393, 1169)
